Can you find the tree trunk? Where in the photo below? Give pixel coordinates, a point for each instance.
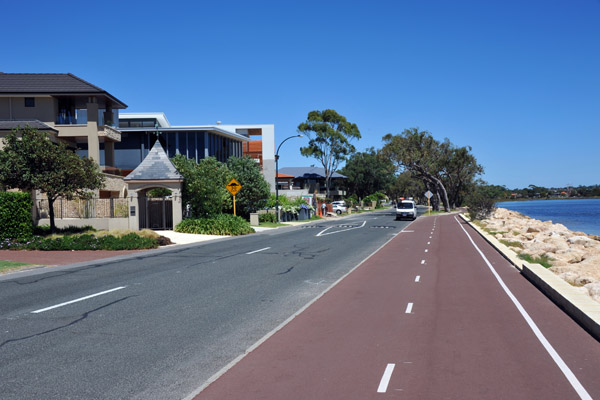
(51, 213)
(444, 195)
(440, 186)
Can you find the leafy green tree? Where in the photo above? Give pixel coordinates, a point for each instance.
(159, 192)
(418, 152)
(30, 161)
(204, 185)
(255, 189)
(406, 185)
(459, 169)
(368, 172)
(329, 136)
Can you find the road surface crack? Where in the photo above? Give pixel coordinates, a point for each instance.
(78, 320)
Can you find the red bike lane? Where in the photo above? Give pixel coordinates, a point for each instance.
(423, 318)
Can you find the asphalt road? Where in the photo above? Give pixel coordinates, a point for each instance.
(436, 314)
(157, 327)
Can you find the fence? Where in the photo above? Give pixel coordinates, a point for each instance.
(84, 208)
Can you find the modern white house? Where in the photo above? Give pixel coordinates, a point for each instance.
(140, 130)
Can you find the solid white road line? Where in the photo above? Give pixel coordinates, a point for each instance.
(418, 278)
(77, 300)
(583, 394)
(408, 308)
(256, 251)
(385, 379)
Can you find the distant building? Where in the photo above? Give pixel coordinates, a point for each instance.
(309, 180)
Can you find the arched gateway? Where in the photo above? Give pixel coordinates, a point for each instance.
(155, 171)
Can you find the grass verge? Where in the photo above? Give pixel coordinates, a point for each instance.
(271, 224)
(8, 265)
(542, 260)
(511, 243)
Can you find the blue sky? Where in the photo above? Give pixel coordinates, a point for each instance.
(518, 81)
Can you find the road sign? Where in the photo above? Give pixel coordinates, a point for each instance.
(429, 195)
(233, 187)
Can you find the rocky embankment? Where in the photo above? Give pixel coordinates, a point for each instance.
(574, 256)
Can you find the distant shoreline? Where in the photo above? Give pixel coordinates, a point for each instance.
(549, 198)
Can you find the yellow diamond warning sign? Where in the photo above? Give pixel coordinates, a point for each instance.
(233, 187)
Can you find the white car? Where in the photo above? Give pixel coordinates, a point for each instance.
(406, 209)
(339, 207)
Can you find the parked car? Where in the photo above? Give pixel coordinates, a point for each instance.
(406, 209)
(339, 207)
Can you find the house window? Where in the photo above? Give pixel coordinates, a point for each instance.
(29, 101)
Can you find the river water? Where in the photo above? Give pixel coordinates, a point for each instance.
(577, 214)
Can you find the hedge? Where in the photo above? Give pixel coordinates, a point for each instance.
(221, 224)
(130, 241)
(15, 215)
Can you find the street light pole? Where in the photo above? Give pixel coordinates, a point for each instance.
(277, 174)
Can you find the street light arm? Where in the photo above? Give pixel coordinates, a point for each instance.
(277, 175)
(285, 140)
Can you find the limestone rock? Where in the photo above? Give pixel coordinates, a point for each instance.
(575, 256)
(594, 290)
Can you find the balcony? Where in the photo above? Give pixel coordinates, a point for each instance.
(109, 133)
(77, 117)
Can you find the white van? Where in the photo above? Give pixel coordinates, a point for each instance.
(406, 209)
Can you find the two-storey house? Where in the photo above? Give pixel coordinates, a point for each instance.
(77, 111)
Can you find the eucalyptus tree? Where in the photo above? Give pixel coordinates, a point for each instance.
(459, 169)
(329, 135)
(447, 170)
(418, 152)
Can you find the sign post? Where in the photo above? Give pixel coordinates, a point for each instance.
(233, 187)
(428, 194)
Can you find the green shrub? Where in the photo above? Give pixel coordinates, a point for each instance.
(222, 224)
(378, 197)
(480, 203)
(15, 215)
(86, 241)
(268, 217)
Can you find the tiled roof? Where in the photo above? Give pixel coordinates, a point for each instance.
(49, 84)
(308, 172)
(156, 166)
(280, 175)
(10, 124)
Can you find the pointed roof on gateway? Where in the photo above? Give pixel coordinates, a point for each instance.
(156, 166)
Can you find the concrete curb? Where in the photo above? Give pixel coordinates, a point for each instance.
(579, 306)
